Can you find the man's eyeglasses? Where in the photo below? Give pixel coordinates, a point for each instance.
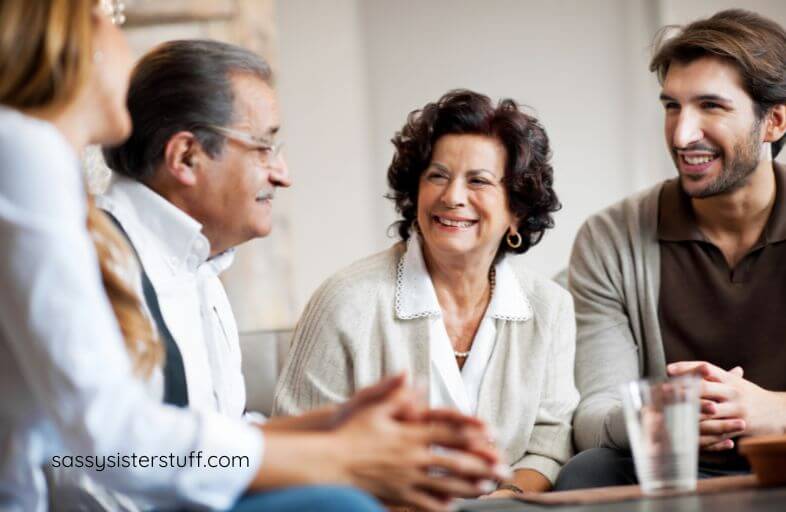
(270, 151)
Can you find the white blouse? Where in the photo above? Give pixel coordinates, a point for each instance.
(450, 386)
(68, 387)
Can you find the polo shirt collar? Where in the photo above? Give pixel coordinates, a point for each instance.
(677, 221)
(416, 297)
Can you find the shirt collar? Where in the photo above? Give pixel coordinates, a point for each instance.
(677, 221)
(416, 297)
(178, 234)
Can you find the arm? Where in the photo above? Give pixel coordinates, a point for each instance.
(606, 352)
(67, 353)
(550, 444)
(318, 369)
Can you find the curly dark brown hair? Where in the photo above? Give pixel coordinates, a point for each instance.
(528, 178)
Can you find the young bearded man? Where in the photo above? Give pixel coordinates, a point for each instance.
(688, 277)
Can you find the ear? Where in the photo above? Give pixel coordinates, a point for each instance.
(776, 123)
(181, 157)
(515, 222)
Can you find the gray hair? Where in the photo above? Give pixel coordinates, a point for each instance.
(181, 86)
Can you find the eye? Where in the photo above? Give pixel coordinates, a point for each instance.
(436, 176)
(710, 105)
(479, 182)
(671, 105)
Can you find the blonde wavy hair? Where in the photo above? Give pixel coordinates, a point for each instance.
(46, 58)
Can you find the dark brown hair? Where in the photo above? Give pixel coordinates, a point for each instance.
(755, 45)
(528, 176)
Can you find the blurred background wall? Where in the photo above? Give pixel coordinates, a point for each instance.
(349, 71)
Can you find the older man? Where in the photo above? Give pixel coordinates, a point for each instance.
(688, 277)
(196, 178)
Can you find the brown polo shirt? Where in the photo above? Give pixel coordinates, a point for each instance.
(727, 316)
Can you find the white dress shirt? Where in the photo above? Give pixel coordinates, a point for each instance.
(449, 385)
(194, 305)
(68, 387)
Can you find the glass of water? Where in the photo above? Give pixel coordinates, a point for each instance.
(662, 419)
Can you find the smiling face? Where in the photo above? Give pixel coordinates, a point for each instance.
(462, 205)
(712, 130)
(236, 188)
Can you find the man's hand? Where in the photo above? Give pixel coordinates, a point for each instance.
(732, 406)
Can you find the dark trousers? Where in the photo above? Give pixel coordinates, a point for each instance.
(602, 467)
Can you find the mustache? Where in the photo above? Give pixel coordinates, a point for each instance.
(696, 147)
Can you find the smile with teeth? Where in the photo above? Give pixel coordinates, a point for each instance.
(697, 159)
(455, 223)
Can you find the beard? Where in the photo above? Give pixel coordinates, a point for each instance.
(735, 172)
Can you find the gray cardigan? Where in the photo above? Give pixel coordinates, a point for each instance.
(614, 278)
(350, 336)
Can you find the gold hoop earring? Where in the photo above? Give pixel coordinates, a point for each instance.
(514, 236)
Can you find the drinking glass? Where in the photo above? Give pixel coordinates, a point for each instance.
(662, 420)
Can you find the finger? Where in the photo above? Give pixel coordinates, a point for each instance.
(453, 416)
(737, 371)
(726, 428)
(720, 446)
(421, 500)
(463, 465)
(701, 369)
(450, 485)
(727, 410)
(379, 391)
(458, 438)
(717, 391)
(707, 409)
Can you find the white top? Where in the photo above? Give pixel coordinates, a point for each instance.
(449, 385)
(67, 383)
(195, 307)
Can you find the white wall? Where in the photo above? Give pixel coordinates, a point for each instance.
(323, 91)
(351, 70)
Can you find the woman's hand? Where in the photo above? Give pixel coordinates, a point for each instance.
(386, 448)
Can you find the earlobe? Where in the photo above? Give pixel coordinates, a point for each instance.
(181, 158)
(776, 123)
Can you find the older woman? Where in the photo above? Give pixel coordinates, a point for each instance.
(473, 183)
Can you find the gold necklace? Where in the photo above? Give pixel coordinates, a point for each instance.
(492, 282)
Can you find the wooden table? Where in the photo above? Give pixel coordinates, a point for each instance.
(725, 494)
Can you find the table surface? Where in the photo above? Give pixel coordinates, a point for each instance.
(747, 500)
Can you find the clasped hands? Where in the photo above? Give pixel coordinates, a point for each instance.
(382, 440)
(732, 406)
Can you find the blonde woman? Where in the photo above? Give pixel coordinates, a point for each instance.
(74, 382)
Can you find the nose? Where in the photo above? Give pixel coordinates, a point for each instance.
(279, 172)
(455, 194)
(686, 129)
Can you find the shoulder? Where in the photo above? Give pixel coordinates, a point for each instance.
(544, 295)
(40, 172)
(635, 215)
(361, 284)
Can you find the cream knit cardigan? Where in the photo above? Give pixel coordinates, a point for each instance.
(350, 336)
